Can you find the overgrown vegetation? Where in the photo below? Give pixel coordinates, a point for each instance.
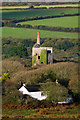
(55, 92)
(33, 59)
(43, 59)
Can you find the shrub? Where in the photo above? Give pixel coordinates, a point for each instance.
(74, 83)
(5, 76)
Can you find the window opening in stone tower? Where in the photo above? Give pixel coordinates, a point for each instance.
(38, 57)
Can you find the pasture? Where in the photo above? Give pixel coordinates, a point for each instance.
(13, 7)
(32, 33)
(70, 22)
(63, 5)
(8, 14)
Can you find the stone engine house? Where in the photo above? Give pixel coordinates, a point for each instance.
(41, 55)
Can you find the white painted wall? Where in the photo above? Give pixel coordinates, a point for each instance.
(37, 95)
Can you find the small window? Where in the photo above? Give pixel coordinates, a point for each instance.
(38, 57)
(42, 94)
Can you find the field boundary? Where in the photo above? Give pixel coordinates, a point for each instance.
(15, 23)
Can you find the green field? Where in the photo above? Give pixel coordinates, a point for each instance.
(65, 5)
(13, 7)
(47, 6)
(8, 14)
(32, 33)
(70, 22)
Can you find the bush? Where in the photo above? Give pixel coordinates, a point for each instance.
(5, 76)
(16, 51)
(74, 83)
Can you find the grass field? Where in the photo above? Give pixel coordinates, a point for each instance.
(13, 7)
(70, 22)
(65, 5)
(8, 14)
(31, 33)
(47, 6)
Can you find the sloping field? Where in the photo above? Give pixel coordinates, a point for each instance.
(31, 33)
(65, 5)
(70, 22)
(8, 14)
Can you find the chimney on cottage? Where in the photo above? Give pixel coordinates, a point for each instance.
(38, 38)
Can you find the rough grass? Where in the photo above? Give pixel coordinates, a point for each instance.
(8, 14)
(66, 111)
(32, 33)
(70, 22)
(12, 66)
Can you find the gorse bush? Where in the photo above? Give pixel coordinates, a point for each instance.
(4, 77)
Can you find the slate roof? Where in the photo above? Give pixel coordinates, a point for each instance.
(33, 88)
(37, 45)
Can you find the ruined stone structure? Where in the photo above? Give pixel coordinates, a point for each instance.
(41, 55)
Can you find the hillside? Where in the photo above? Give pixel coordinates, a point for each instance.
(13, 100)
(19, 73)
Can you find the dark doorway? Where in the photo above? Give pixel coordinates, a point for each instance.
(48, 56)
(38, 57)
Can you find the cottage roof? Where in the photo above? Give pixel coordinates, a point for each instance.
(33, 88)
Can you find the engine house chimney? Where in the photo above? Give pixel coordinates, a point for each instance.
(38, 38)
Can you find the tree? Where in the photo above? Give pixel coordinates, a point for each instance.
(55, 92)
(51, 75)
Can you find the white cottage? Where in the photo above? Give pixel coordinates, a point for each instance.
(33, 91)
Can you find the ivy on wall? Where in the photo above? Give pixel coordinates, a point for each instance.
(43, 56)
(33, 59)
